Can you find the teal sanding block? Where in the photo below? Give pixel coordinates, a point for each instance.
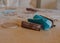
(46, 23)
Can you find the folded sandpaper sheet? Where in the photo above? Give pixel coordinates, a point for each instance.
(31, 26)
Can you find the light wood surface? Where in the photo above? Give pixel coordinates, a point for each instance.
(21, 35)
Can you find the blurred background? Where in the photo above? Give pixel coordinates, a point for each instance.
(42, 4)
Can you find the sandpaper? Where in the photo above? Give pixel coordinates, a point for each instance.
(31, 26)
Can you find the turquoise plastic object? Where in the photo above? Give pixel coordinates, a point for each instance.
(41, 20)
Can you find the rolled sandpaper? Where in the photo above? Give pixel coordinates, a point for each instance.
(31, 26)
(31, 9)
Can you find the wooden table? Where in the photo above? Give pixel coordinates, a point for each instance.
(21, 35)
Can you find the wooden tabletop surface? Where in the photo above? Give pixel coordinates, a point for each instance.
(21, 35)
